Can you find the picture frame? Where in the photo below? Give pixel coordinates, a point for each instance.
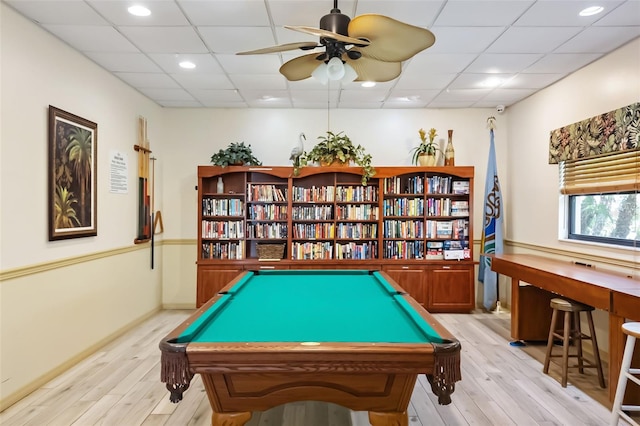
(73, 144)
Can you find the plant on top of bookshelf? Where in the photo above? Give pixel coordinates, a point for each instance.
(425, 149)
(338, 148)
(236, 154)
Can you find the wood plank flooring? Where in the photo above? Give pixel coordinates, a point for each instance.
(501, 385)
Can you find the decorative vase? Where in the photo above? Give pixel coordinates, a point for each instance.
(449, 152)
(220, 185)
(428, 160)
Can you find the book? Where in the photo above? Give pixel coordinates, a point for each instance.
(460, 187)
(434, 250)
(444, 229)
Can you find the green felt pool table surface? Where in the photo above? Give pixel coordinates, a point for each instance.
(311, 306)
(348, 337)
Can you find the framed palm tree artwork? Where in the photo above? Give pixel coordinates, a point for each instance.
(72, 175)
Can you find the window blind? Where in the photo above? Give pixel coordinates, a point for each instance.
(607, 173)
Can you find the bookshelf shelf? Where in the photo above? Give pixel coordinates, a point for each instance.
(412, 222)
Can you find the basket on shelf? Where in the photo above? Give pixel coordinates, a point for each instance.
(270, 251)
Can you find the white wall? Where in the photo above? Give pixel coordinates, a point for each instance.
(59, 298)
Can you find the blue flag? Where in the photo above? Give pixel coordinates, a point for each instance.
(492, 229)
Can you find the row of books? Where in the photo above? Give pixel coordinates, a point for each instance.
(312, 251)
(312, 212)
(222, 207)
(357, 231)
(220, 250)
(357, 212)
(313, 230)
(403, 207)
(357, 193)
(448, 229)
(448, 250)
(403, 249)
(212, 229)
(368, 250)
(267, 212)
(267, 230)
(403, 229)
(314, 194)
(266, 193)
(419, 184)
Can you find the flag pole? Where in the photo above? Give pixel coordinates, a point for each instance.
(491, 124)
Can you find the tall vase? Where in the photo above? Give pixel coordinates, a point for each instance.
(220, 186)
(449, 152)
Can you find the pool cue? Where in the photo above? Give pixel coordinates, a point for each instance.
(153, 199)
(143, 181)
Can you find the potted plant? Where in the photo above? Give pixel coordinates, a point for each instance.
(236, 154)
(338, 148)
(425, 153)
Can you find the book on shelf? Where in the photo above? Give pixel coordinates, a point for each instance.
(444, 229)
(456, 250)
(434, 250)
(460, 187)
(459, 208)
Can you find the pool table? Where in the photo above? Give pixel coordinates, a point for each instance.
(349, 337)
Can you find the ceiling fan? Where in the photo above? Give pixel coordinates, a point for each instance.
(368, 47)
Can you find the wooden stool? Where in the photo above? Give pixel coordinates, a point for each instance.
(632, 330)
(572, 311)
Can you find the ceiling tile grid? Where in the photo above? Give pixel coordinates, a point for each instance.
(487, 52)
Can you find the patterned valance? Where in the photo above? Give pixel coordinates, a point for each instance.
(614, 131)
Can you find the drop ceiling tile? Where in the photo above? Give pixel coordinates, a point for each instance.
(417, 12)
(236, 39)
(531, 81)
(165, 39)
(463, 39)
(560, 14)
(481, 13)
(59, 12)
(203, 81)
(181, 104)
(249, 64)
(399, 96)
(167, 94)
(163, 13)
(502, 62)
(532, 40)
(360, 105)
(600, 39)
(562, 62)
(205, 95)
(477, 81)
(424, 80)
(226, 13)
(305, 12)
(257, 81)
(462, 95)
(124, 62)
(441, 103)
(148, 80)
(362, 96)
(169, 62)
(90, 38)
(507, 96)
(321, 97)
(438, 63)
(625, 14)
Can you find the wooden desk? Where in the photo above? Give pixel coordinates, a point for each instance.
(531, 314)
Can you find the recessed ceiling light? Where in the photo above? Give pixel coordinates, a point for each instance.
(139, 11)
(589, 11)
(187, 65)
(491, 82)
(369, 84)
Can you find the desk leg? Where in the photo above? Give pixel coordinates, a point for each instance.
(515, 308)
(377, 418)
(230, 419)
(617, 340)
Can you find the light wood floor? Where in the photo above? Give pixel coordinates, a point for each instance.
(501, 385)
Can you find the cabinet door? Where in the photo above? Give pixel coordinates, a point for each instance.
(450, 288)
(410, 278)
(212, 279)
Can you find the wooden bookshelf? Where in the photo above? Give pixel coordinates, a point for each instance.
(415, 223)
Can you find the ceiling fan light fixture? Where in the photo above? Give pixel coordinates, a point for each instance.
(335, 69)
(320, 74)
(349, 74)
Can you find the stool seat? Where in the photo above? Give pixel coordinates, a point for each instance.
(572, 333)
(632, 330)
(567, 305)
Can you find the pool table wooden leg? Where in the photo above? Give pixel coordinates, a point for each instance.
(377, 418)
(230, 419)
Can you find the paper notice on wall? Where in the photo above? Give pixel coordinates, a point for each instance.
(118, 171)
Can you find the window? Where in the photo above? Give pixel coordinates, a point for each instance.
(603, 198)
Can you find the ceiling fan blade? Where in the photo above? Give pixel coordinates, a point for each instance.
(300, 68)
(304, 45)
(390, 40)
(369, 69)
(328, 34)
